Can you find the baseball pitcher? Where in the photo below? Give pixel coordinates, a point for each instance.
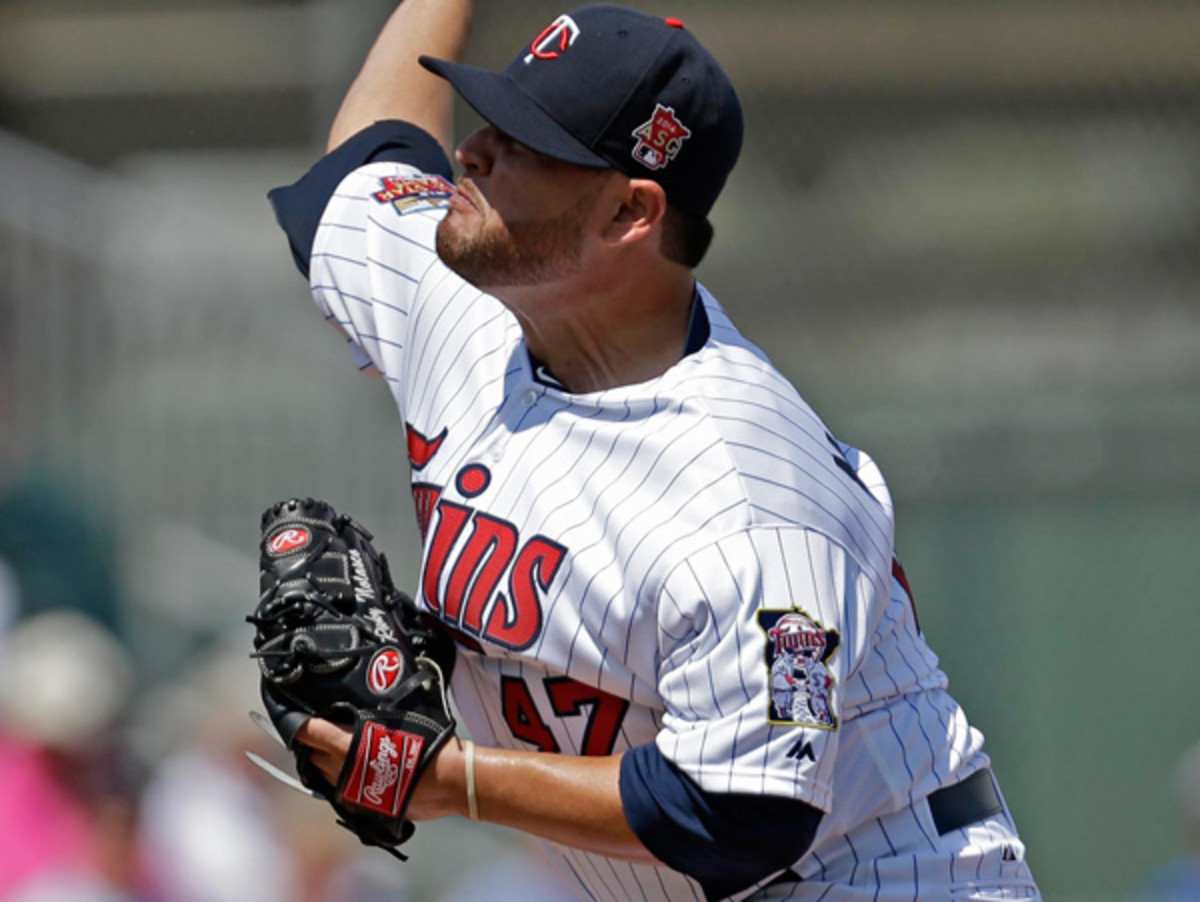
(678, 639)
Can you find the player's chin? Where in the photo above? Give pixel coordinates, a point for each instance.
(460, 225)
(452, 237)
(459, 248)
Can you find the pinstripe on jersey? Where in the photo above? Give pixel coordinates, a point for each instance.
(606, 555)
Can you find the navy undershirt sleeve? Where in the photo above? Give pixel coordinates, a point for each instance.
(298, 207)
(726, 842)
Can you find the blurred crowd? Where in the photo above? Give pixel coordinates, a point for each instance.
(123, 773)
(112, 792)
(116, 788)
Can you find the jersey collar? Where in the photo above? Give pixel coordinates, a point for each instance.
(698, 333)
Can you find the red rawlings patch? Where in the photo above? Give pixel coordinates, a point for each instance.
(385, 670)
(289, 539)
(384, 767)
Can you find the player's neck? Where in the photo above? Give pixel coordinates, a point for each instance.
(611, 332)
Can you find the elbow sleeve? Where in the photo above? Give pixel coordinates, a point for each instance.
(726, 842)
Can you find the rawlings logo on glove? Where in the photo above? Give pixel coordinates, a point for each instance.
(335, 639)
(385, 670)
(383, 771)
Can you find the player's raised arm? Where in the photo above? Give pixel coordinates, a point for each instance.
(392, 85)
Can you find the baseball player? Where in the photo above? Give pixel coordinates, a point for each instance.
(629, 516)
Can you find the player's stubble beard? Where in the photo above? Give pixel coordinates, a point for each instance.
(533, 252)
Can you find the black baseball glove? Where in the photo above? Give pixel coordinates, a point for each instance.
(335, 639)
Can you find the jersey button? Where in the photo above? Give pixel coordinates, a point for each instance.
(531, 396)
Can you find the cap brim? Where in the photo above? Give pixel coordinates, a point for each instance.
(495, 97)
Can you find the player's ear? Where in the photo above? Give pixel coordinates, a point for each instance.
(637, 213)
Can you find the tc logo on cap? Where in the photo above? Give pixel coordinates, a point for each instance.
(554, 39)
(659, 139)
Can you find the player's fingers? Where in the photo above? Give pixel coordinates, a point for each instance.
(329, 764)
(324, 736)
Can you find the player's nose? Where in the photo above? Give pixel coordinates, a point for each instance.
(477, 152)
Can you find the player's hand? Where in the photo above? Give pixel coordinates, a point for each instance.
(330, 743)
(437, 793)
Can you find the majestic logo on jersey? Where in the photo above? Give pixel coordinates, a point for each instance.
(554, 40)
(659, 139)
(798, 652)
(408, 195)
(290, 539)
(480, 576)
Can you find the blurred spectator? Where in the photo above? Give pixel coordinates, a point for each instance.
(208, 825)
(1179, 880)
(525, 876)
(67, 823)
(215, 827)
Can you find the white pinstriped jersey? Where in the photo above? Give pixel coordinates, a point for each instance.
(692, 561)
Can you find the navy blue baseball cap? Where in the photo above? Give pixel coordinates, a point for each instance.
(607, 87)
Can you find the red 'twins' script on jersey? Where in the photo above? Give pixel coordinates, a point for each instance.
(461, 579)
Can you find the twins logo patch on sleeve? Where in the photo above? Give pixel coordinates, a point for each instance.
(798, 653)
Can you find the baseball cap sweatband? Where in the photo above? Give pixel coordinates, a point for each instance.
(608, 87)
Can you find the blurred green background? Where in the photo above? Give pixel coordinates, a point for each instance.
(969, 232)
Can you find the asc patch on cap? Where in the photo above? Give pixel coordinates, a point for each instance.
(660, 139)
